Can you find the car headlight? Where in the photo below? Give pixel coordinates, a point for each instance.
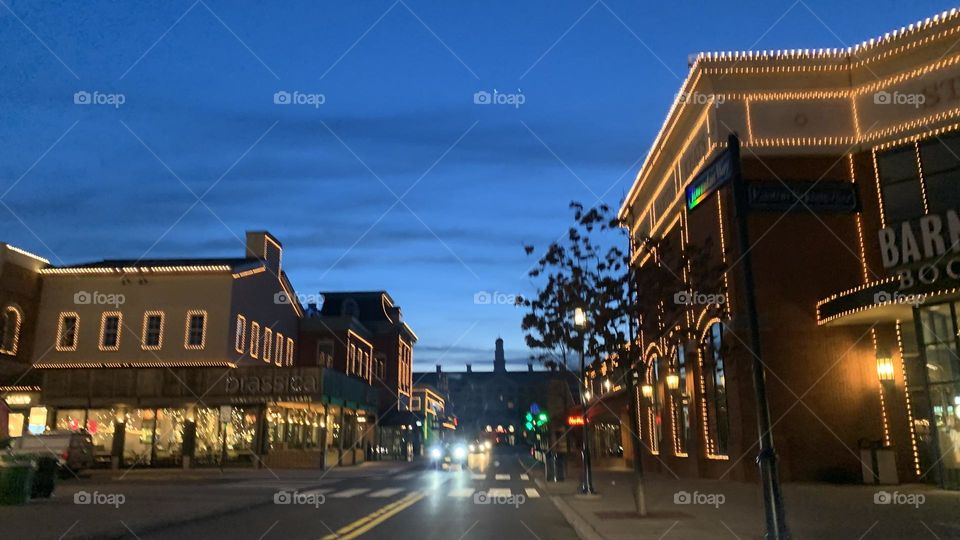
(488, 444)
(435, 453)
(472, 448)
(459, 452)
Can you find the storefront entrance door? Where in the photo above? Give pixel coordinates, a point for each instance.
(937, 326)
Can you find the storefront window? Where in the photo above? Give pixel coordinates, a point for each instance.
(138, 444)
(941, 172)
(938, 325)
(654, 410)
(716, 379)
(681, 404)
(900, 184)
(169, 436)
(606, 439)
(334, 427)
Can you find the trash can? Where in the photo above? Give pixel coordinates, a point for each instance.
(16, 479)
(45, 477)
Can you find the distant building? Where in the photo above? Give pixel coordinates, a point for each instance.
(20, 287)
(495, 401)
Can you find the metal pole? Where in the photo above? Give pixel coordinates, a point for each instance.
(587, 486)
(767, 457)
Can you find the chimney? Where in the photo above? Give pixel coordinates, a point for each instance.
(469, 368)
(438, 369)
(263, 246)
(530, 367)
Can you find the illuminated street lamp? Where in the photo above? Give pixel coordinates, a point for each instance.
(647, 391)
(673, 381)
(580, 323)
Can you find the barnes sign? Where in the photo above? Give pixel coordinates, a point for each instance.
(922, 251)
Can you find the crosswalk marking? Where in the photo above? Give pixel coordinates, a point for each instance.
(462, 493)
(524, 476)
(346, 494)
(386, 492)
(503, 477)
(479, 476)
(532, 493)
(499, 492)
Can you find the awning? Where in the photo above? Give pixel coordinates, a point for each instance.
(883, 301)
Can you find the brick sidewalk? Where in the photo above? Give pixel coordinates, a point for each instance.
(696, 508)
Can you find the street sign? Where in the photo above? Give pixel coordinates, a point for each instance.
(817, 197)
(720, 171)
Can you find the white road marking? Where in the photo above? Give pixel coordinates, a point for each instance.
(479, 476)
(532, 493)
(462, 493)
(318, 491)
(346, 494)
(405, 476)
(386, 492)
(503, 477)
(499, 492)
(524, 476)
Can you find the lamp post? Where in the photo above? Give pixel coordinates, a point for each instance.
(580, 322)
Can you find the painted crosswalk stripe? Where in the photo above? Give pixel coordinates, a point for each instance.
(462, 493)
(532, 493)
(524, 476)
(479, 476)
(346, 494)
(499, 492)
(503, 477)
(405, 476)
(386, 492)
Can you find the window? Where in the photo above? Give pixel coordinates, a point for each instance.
(351, 359)
(716, 379)
(152, 334)
(289, 352)
(10, 323)
(415, 403)
(254, 340)
(940, 158)
(654, 416)
(325, 353)
(267, 343)
(240, 334)
(196, 331)
(278, 352)
(67, 330)
(900, 184)
(110, 331)
(681, 403)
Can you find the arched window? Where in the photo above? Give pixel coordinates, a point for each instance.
(10, 330)
(681, 402)
(715, 375)
(654, 411)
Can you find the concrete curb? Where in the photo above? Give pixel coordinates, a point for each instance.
(583, 528)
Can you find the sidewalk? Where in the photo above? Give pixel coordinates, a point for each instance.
(696, 508)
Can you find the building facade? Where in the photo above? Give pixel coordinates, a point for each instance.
(847, 209)
(191, 362)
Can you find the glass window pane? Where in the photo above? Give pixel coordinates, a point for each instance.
(900, 184)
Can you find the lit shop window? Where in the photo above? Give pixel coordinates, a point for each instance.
(152, 339)
(110, 330)
(716, 378)
(10, 323)
(267, 344)
(681, 403)
(196, 330)
(67, 328)
(254, 340)
(655, 411)
(240, 334)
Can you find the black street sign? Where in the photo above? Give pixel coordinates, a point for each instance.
(819, 197)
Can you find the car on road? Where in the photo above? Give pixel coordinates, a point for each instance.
(449, 453)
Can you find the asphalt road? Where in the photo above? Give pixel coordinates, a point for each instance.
(491, 498)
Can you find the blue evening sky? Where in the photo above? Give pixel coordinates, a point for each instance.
(398, 180)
